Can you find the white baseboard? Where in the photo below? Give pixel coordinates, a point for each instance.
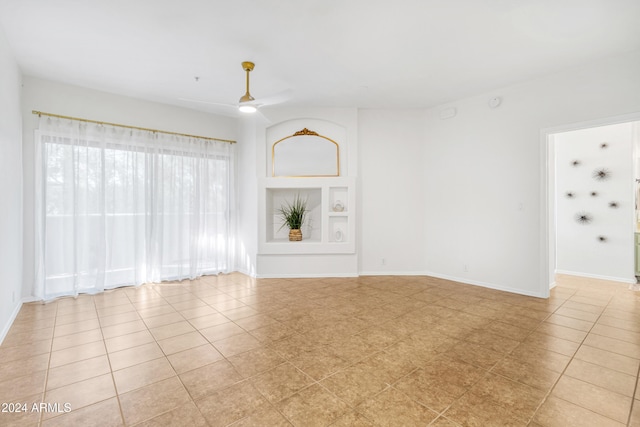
(5, 329)
(402, 273)
(486, 285)
(595, 276)
(454, 279)
(393, 273)
(408, 273)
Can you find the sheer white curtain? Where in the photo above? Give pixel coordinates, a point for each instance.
(117, 207)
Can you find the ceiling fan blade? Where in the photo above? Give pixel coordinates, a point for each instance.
(203, 101)
(247, 101)
(277, 98)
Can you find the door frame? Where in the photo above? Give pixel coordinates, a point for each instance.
(548, 196)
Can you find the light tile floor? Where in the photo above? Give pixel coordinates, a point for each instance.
(393, 351)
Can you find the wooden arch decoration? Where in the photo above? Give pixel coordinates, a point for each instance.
(306, 153)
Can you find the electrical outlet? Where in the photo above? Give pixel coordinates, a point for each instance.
(466, 267)
(383, 261)
(13, 296)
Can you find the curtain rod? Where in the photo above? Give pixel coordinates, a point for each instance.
(40, 113)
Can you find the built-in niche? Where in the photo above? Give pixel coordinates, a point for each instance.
(277, 197)
(305, 153)
(306, 158)
(338, 200)
(330, 224)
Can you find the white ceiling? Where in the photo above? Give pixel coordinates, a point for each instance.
(340, 53)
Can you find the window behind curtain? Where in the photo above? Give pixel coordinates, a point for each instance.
(121, 207)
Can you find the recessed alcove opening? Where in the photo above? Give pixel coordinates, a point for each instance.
(338, 198)
(338, 229)
(278, 197)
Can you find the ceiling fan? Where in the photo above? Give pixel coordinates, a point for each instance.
(247, 103)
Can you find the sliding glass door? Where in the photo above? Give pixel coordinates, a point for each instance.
(123, 207)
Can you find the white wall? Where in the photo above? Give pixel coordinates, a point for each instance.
(10, 188)
(434, 195)
(579, 251)
(393, 198)
(305, 265)
(484, 172)
(247, 194)
(345, 117)
(51, 97)
(461, 198)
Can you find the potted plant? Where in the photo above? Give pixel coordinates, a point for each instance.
(293, 216)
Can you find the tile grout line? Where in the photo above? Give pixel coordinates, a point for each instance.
(488, 371)
(113, 379)
(633, 397)
(548, 393)
(46, 378)
(192, 400)
(505, 356)
(439, 413)
(147, 328)
(224, 358)
(248, 379)
(315, 382)
(485, 375)
(272, 405)
(52, 342)
(571, 360)
(106, 354)
(155, 340)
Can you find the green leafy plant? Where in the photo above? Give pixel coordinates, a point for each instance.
(293, 214)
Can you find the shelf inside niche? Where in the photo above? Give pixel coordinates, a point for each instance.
(338, 194)
(304, 241)
(311, 229)
(338, 229)
(320, 238)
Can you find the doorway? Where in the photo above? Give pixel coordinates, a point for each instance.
(589, 200)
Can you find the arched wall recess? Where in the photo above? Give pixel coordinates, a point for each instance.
(306, 153)
(327, 185)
